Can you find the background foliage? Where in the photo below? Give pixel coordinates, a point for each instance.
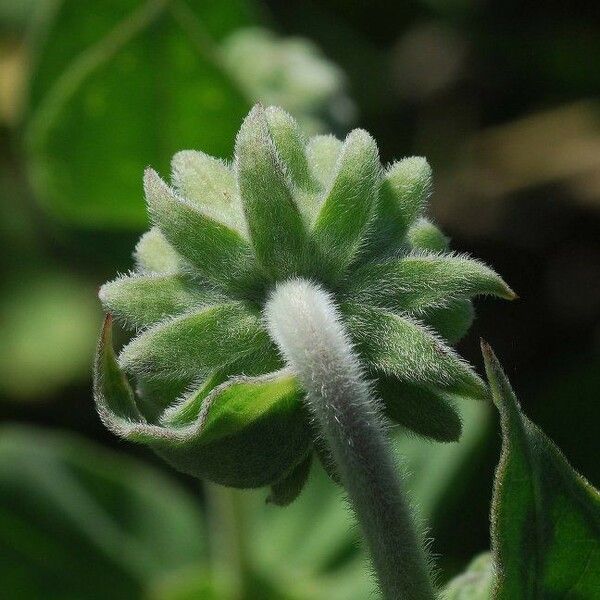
(502, 97)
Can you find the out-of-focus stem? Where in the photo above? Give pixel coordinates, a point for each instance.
(303, 320)
(227, 534)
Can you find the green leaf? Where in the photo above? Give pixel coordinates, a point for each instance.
(322, 153)
(400, 346)
(115, 400)
(243, 400)
(403, 194)
(545, 516)
(425, 236)
(426, 411)
(348, 202)
(188, 407)
(216, 251)
(80, 521)
(287, 489)
(209, 183)
(93, 123)
(154, 395)
(453, 321)
(475, 583)
(290, 145)
(153, 254)
(142, 300)
(274, 220)
(420, 282)
(248, 432)
(193, 344)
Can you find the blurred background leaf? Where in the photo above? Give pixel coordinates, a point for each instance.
(78, 521)
(475, 583)
(118, 88)
(129, 84)
(48, 323)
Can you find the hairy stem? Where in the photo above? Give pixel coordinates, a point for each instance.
(304, 322)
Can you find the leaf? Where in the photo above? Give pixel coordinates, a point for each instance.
(218, 252)
(452, 322)
(244, 400)
(425, 236)
(322, 152)
(427, 412)
(142, 300)
(545, 516)
(115, 400)
(348, 202)
(475, 583)
(287, 489)
(248, 431)
(94, 121)
(80, 521)
(153, 254)
(276, 226)
(189, 405)
(416, 283)
(154, 395)
(290, 145)
(209, 183)
(403, 194)
(193, 344)
(398, 345)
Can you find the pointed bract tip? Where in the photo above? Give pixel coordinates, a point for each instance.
(361, 134)
(254, 128)
(417, 161)
(106, 334)
(486, 349)
(185, 158)
(272, 109)
(256, 112)
(151, 179)
(509, 293)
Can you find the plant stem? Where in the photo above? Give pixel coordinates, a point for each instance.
(304, 322)
(227, 534)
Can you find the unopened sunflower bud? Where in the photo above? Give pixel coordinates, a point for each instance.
(203, 382)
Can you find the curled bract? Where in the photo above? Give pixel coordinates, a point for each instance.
(211, 393)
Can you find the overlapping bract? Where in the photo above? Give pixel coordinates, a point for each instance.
(213, 395)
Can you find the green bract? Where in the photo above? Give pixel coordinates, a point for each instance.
(212, 394)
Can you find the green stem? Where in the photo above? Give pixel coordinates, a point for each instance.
(304, 322)
(227, 535)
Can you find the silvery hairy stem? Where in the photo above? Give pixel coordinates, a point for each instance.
(304, 322)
